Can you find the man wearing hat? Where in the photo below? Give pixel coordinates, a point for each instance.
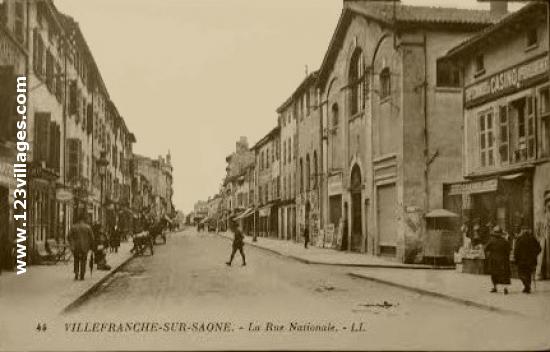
(543, 236)
(238, 242)
(497, 252)
(525, 254)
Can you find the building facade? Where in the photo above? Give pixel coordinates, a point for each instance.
(267, 191)
(506, 117)
(379, 78)
(288, 147)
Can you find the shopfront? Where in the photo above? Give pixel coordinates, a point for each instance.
(504, 200)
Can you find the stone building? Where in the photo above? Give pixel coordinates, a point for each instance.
(158, 173)
(234, 190)
(379, 82)
(308, 160)
(506, 119)
(12, 63)
(267, 188)
(69, 119)
(288, 147)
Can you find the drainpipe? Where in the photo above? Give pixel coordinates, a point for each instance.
(426, 134)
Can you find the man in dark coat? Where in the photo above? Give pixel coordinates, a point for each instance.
(238, 242)
(497, 252)
(81, 240)
(306, 236)
(526, 252)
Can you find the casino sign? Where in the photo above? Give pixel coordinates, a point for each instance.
(507, 81)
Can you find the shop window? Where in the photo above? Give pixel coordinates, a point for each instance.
(504, 136)
(480, 64)
(486, 139)
(448, 74)
(532, 37)
(385, 83)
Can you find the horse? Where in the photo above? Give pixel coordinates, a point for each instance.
(157, 229)
(141, 241)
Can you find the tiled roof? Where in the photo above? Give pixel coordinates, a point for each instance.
(384, 11)
(308, 80)
(525, 13)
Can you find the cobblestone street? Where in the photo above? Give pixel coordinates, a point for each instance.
(188, 281)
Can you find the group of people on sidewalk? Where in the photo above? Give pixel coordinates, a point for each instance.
(526, 251)
(84, 239)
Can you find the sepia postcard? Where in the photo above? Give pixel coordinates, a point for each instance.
(274, 175)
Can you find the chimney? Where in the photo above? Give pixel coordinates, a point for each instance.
(498, 7)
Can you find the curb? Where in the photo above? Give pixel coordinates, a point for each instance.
(447, 297)
(78, 301)
(307, 261)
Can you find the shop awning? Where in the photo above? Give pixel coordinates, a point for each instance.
(511, 177)
(441, 213)
(244, 214)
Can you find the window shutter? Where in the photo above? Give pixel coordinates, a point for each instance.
(90, 118)
(52, 156)
(42, 141)
(7, 103)
(72, 98)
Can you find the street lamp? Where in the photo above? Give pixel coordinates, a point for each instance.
(102, 169)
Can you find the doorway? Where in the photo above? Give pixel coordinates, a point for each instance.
(356, 212)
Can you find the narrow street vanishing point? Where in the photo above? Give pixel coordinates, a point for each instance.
(188, 281)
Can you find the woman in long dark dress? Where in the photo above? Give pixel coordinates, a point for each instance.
(497, 252)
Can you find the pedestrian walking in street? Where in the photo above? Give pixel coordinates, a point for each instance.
(114, 239)
(525, 254)
(306, 236)
(238, 242)
(81, 240)
(497, 252)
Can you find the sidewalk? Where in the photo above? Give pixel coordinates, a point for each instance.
(45, 290)
(327, 256)
(468, 289)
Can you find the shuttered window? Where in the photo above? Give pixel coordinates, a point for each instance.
(74, 155)
(55, 147)
(42, 141)
(8, 115)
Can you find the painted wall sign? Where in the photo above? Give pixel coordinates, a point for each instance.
(506, 81)
(474, 187)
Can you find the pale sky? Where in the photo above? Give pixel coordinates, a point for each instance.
(191, 76)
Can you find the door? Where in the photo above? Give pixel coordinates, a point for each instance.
(387, 221)
(356, 213)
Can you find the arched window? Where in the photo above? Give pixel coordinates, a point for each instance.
(301, 175)
(385, 83)
(308, 173)
(335, 117)
(357, 82)
(315, 174)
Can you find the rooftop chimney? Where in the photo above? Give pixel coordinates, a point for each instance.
(499, 7)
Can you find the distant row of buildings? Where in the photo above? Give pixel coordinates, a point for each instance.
(414, 109)
(81, 150)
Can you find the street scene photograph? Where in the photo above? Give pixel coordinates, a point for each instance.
(274, 175)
